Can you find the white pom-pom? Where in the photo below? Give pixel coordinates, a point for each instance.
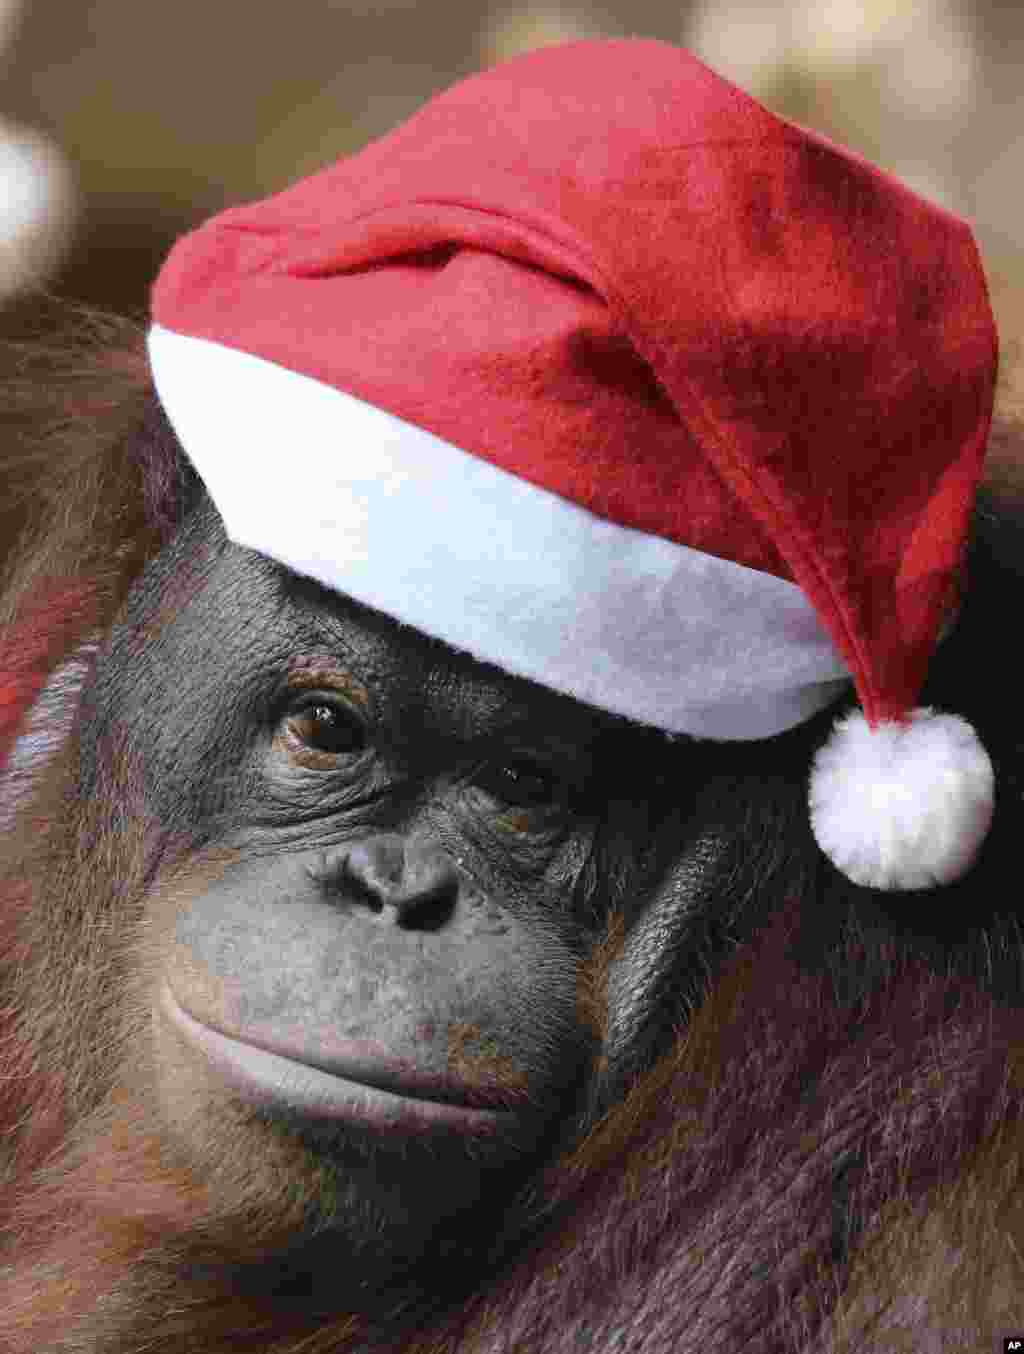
(903, 806)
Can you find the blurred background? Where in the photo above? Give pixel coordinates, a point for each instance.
(123, 122)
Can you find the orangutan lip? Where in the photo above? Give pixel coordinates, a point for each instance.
(273, 1079)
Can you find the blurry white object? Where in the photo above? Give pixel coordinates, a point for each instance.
(38, 197)
(921, 49)
(38, 204)
(507, 32)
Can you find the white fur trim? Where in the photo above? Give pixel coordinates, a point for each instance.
(514, 575)
(905, 806)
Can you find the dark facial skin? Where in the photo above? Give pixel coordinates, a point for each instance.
(408, 925)
(369, 912)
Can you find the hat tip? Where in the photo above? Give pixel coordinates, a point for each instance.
(906, 805)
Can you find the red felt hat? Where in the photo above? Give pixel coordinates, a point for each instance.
(600, 371)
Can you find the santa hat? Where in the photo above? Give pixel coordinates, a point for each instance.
(603, 373)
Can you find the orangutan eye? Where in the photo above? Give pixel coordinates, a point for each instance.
(327, 726)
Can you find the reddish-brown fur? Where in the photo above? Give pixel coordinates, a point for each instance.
(701, 1215)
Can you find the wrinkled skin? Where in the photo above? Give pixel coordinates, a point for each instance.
(378, 879)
